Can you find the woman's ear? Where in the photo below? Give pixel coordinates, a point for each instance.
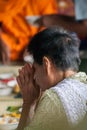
(47, 64)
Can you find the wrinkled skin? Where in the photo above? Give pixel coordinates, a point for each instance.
(29, 89)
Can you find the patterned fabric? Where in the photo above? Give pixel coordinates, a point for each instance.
(49, 114)
(73, 95)
(62, 107)
(81, 76)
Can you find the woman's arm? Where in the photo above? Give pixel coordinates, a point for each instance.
(30, 93)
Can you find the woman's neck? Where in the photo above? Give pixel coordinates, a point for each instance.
(69, 73)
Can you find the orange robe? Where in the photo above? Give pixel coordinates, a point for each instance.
(16, 30)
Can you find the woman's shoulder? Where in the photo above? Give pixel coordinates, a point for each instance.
(50, 95)
(81, 76)
(50, 99)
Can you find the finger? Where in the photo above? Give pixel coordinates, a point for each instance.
(18, 81)
(27, 75)
(19, 84)
(21, 76)
(31, 69)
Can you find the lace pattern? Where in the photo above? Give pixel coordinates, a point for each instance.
(73, 95)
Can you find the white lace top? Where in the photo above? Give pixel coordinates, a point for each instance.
(73, 95)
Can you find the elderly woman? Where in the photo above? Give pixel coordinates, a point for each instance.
(52, 86)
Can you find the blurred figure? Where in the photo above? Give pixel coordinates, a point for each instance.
(77, 23)
(16, 31)
(66, 7)
(4, 50)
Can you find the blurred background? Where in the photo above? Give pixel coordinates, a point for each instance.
(20, 20)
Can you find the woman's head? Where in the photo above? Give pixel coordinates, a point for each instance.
(56, 56)
(60, 46)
